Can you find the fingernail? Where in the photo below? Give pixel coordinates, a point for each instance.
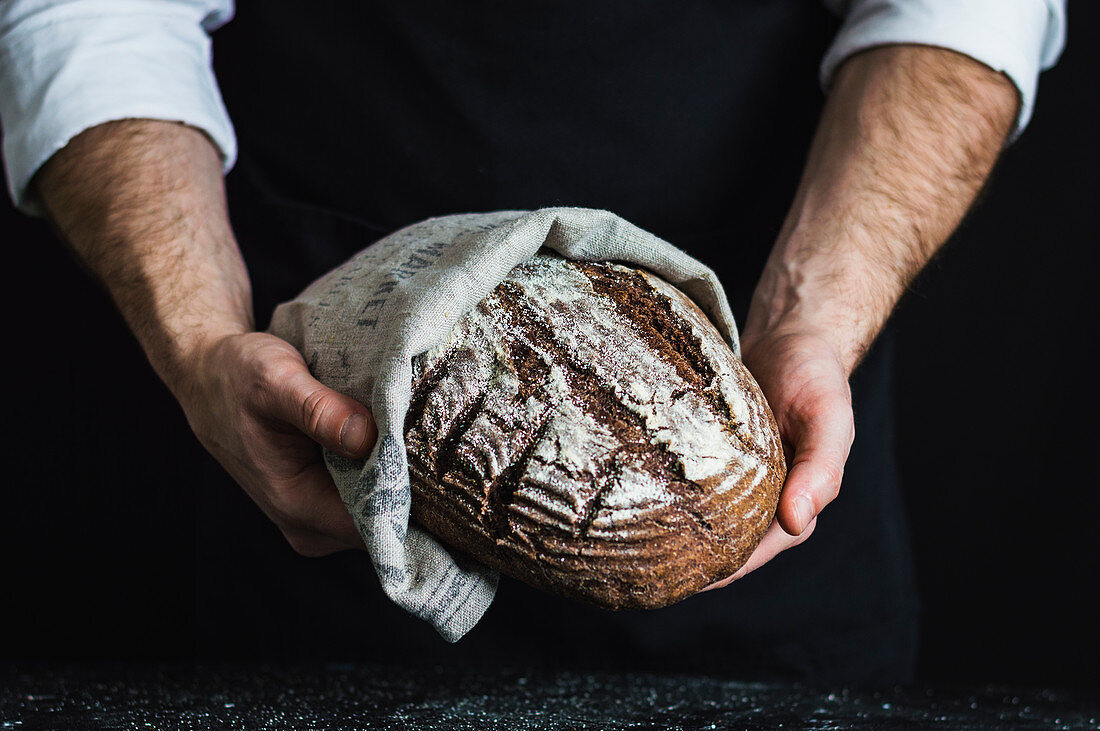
(803, 512)
(353, 433)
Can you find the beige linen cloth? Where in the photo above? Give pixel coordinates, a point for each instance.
(360, 326)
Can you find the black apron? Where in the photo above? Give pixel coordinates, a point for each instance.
(690, 119)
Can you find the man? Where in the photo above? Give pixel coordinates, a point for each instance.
(685, 118)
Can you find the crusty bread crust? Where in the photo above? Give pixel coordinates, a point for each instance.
(586, 430)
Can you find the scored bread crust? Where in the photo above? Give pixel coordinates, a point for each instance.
(585, 429)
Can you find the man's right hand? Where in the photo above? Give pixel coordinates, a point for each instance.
(143, 205)
(254, 405)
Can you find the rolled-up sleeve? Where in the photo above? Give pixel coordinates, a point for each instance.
(68, 65)
(1019, 38)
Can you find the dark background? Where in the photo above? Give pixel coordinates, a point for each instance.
(998, 434)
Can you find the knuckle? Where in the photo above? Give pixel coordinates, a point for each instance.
(270, 373)
(299, 533)
(304, 544)
(291, 505)
(317, 407)
(833, 474)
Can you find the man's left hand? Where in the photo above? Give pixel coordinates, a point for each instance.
(807, 387)
(907, 138)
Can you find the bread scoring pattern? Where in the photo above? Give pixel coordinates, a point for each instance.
(586, 429)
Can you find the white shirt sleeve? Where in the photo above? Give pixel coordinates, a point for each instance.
(1017, 37)
(68, 65)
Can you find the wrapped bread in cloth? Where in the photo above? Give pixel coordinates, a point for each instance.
(558, 397)
(585, 429)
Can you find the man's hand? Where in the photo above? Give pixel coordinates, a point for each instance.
(143, 206)
(908, 137)
(254, 405)
(807, 388)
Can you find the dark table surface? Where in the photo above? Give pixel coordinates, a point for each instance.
(66, 696)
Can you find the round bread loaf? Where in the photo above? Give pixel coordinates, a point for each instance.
(585, 429)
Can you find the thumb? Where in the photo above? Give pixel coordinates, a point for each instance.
(335, 421)
(821, 448)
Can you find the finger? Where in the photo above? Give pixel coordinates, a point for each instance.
(315, 520)
(821, 448)
(333, 420)
(775, 541)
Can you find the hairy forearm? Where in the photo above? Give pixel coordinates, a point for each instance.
(142, 204)
(907, 138)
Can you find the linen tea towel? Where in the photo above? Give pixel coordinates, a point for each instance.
(360, 326)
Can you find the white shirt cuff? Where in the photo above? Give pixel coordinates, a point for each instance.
(64, 69)
(1016, 37)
